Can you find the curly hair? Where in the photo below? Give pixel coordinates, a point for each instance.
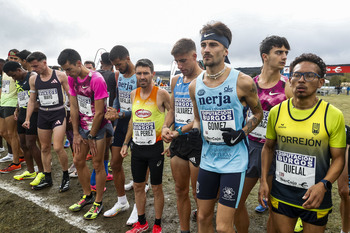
(310, 57)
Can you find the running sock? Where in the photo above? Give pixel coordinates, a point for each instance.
(122, 199)
(47, 176)
(158, 221)
(93, 178)
(185, 231)
(65, 175)
(142, 219)
(105, 162)
(99, 202)
(89, 196)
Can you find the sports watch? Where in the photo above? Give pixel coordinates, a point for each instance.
(179, 130)
(90, 137)
(121, 115)
(327, 185)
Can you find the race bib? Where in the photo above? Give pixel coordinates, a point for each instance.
(144, 133)
(296, 170)
(213, 121)
(23, 99)
(48, 97)
(5, 86)
(124, 100)
(84, 105)
(183, 111)
(260, 130)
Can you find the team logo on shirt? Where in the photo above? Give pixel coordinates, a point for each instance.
(201, 92)
(228, 193)
(315, 128)
(143, 113)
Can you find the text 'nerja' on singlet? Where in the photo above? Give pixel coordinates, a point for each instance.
(268, 98)
(147, 119)
(183, 104)
(23, 88)
(49, 92)
(125, 86)
(219, 107)
(302, 155)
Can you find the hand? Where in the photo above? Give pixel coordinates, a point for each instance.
(166, 152)
(168, 135)
(263, 193)
(15, 115)
(124, 151)
(231, 136)
(77, 140)
(26, 124)
(194, 138)
(111, 114)
(314, 196)
(92, 146)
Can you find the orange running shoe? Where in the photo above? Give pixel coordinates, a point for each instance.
(10, 168)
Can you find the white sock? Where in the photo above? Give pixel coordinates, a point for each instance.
(122, 199)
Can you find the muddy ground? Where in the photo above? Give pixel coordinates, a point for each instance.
(18, 214)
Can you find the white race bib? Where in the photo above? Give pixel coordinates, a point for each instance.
(23, 99)
(213, 121)
(183, 111)
(84, 105)
(48, 97)
(296, 170)
(144, 133)
(124, 100)
(260, 130)
(5, 86)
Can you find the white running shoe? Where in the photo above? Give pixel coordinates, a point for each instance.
(116, 209)
(133, 217)
(129, 186)
(7, 158)
(2, 149)
(146, 188)
(72, 169)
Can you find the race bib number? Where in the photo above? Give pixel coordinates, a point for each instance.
(213, 121)
(296, 170)
(84, 105)
(183, 110)
(48, 97)
(23, 99)
(5, 86)
(144, 133)
(124, 100)
(260, 130)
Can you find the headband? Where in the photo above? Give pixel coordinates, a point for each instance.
(213, 36)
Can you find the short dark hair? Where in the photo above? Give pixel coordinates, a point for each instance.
(105, 58)
(90, 62)
(118, 51)
(273, 41)
(218, 28)
(23, 54)
(310, 57)
(2, 60)
(11, 66)
(39, 56)
(145, 63)
(183, 46)
(69, 55)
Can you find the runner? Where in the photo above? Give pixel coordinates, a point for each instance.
(148, 111)
(304, 176)
(272, 90)
(28, 137)
(88, 93)
(184, 159)
(47, 86)
(220, 98)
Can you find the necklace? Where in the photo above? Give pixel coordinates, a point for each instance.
(217, 75)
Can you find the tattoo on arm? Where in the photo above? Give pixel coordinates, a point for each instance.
(251, 125)
(254, 89)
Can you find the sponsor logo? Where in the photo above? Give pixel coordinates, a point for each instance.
(274, 93)
(282, 126)
(228, 89)
(84, 87)
(54, 81)
(206, 35)
(159, 163)
(315, 128)
(197, 187)
(58, 122)
(143, 113)
(201, 92)
(218, 100)
(228, 193)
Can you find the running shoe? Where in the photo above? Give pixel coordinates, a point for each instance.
(109, 177)
(72, 169)
(94, 211)
(81, 203)
(44, 183)
(22, 160)
(10, 168)
(66, 144)
(157, 229)
(37, 179)
(116, 209)
(25, 175)
(64, 185)
(137, 227)
(260, 208)
(2, 149)
(7, 158)
(88, 157)
(133, 217)
(298, 226)
(93, 188)
(146, 188)
(129, 186)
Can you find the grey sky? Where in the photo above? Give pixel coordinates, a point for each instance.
(150, 28)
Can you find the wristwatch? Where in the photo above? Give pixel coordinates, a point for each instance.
(327, 185)
(179, 130)
(90, 137)
(121, 115)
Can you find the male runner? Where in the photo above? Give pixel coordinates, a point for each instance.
(88, 93)
(28, 137)
(47, 86)
(272, 88)
(23, 59)
(148, 111)
(306, 133)
(184, 159)
(90, 65)
(8, 124)
(220, 98)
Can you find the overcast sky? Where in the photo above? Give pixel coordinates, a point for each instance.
(149, 28)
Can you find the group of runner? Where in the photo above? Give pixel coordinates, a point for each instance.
(226, 129)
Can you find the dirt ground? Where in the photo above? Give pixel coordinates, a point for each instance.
(20, 215)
